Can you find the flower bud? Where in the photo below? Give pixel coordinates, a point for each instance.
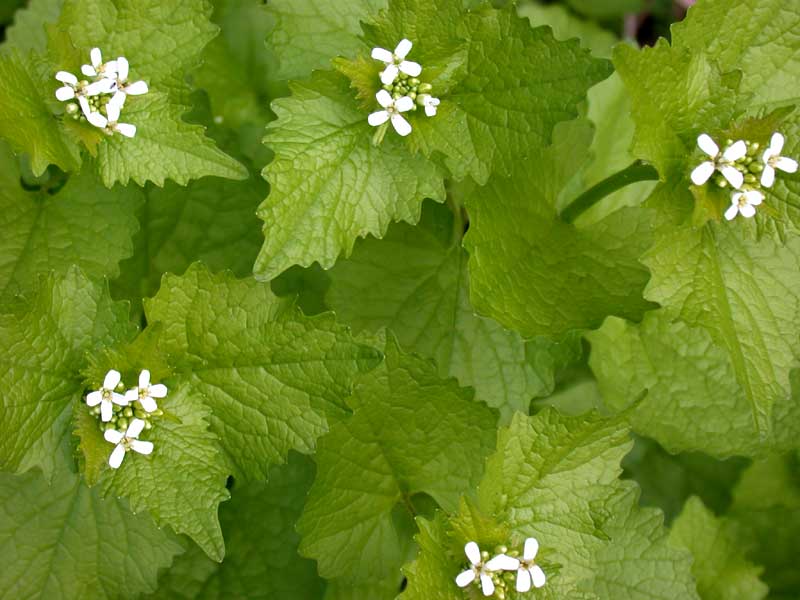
(425, 88)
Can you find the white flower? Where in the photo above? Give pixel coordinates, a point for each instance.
(106, 395)
(395, 62)
(430, 103)
(722, 162)
(146, 393)
(773, 160)
(744, 203)
(70, 88)
(111, 123)
(98, 68)
(528, 572)
(483, 570)
(123, 88)
(126, 441)
(392, 110)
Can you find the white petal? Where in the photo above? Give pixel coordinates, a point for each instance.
(735, 151)
(113, 436)
(142, 447)
(383, 55)
(96, 57)
(67, 77)
(708, 145)
(89, 71)
(703, 173)
(106, 411)
(404, 104)
(135, 428)
(768, 176)
(137, 88)
(754, 197)
(403, 48)
(776, 144)
(65, 93)
(731, 213)
(94, 398)
(104, 86)
(487, 585)
(126, 129)
(523, 580)
(401, 126)
(132, 395)
(122, 68)
(119, 399)
(149, 404)
(97, 120)
(115, 460)
(788, 165)
(110, 70)
(410, 68)
(378, 118)
(389, 74)
(502, 562)
(473, 553)
(112, 379)
(748, 210)
(384, 98)
(733, 175)
(430, 110)
(112, 111)
(465, 578)
(118, 100)
(159, 390)
(85, 108)
(538, 576)
(531, 548)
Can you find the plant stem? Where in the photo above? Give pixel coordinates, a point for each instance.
(638, 171)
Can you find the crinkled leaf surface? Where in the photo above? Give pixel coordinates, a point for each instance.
(411, 433)
(43, 348)
(719, 567)
(261, 559)
(63, 540)
(329, 183)
(81, 224)
(272, 377)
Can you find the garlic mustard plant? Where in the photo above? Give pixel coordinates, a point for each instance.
(126, 441)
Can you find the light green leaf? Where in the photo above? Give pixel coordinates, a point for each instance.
(411, 434)
(607, 9)
(414, 282)
(307, 35)
(44, 348)
(719, 567)
(329, 183)
(272, 377)
(261, 559)
(566, 26)
(52, 228)
(28, 31)
(62, 540)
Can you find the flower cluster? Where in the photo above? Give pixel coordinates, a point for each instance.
(402, 91)
(100, 101)
(493, 575)
(123, 417)
(741, 167)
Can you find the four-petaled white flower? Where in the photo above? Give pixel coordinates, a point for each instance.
(528, 572)
(123, 87)
(773, 160)
(483, 570)
(126, 441)
(106, 395)
(111, 123)
(395, 62)
(392, 110)
(146, 393)
(430, 103)
(744, 203)
(719, 161)
(98, 68)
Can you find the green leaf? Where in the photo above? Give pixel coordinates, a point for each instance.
(272, 377)
(62, 540)
(719, 567)
(411, 434)
(28, 31)
(81, 223)
(261, 559)
(307, 35)
(414, 282)
(45, 347)
(524, 261)
(746, 295)
(606, 9)
(329, 183)
(566, 26)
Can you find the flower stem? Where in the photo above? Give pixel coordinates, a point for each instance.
(634, 173)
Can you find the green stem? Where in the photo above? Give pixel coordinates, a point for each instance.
(634, 173)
